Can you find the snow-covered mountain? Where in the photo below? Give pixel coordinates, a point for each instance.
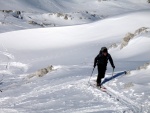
(46, 70)
(27, 14)
(71, 5)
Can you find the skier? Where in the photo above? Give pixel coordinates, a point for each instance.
(101, 61)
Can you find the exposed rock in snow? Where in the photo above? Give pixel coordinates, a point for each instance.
(126, 40)
(130, 36)
(141, 31)
(113, 46)
(145, 66)
(41, 72)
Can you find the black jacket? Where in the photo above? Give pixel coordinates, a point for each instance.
(102, 60)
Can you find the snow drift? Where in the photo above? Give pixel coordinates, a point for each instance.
(139, 41)
(20, 14)
(53, 38)
(72, 49)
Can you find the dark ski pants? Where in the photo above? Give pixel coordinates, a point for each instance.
(101, 73)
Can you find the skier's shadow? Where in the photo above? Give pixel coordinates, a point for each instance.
(112, 77)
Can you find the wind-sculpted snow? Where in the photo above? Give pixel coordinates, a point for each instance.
(133, 42)
(59, 92)
(20, 14)
(10, 56)
(135, 89)
(47, 70)
(129, 36)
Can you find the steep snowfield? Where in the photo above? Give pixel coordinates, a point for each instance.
(71, 50)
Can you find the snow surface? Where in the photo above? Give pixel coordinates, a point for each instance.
(53, 13)
(71, 50)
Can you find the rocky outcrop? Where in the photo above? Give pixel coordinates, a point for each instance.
(41, 72)
(145, 66)
(126, 40)
(141, 30)
(129, 36)
(113, 46)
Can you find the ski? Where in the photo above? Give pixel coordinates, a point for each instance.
(102, 88)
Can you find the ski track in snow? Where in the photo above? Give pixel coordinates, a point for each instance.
(72, 50)
(125, 104)
(132, 105)
(81, 85)
(120, 103)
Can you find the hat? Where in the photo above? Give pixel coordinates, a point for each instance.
(104, 49)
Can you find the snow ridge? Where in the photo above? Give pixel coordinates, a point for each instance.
(47, 69)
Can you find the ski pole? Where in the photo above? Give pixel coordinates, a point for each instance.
(113, 72)
(91, 74)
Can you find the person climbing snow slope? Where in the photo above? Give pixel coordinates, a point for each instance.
(101, 61)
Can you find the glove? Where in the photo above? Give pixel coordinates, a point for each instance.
(113, 67)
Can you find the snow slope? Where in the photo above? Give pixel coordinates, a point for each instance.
(71, 50)
(140, 43)
(53, 38)
(71, 5)
(135, 89)
(52, 13)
